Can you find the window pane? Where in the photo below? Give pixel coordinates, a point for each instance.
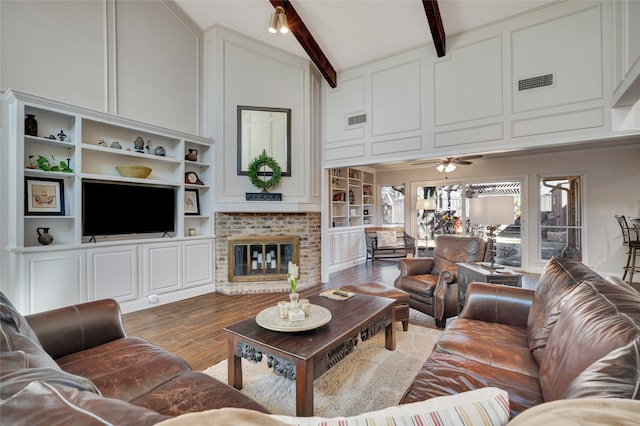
(508, 235)
(445, 218)
(560, 217)
(392, 200)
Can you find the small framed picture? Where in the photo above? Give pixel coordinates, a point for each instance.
(43, 196)
(365, 212)
(191, 202)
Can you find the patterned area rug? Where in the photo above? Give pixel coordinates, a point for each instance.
(370, 378)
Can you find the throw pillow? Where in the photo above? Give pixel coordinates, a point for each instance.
(581, 411)
(486, 406)
(387, 239)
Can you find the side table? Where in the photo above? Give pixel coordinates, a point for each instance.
(468, 273)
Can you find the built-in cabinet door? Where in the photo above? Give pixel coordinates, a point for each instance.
(198, 261)
(356, 244)
(163, 267)
(112, 273)
(55, 279)
(339, 247)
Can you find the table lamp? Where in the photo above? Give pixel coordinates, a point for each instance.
(428, 205)
(491, 211)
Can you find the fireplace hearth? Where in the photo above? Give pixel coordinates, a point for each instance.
(273, 236)
(261, 258)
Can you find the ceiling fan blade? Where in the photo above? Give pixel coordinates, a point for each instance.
(469, 157)
(422, 163)
(461, 162)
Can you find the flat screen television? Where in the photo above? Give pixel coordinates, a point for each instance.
(110, 208)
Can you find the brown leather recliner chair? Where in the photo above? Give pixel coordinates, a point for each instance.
(432, 281)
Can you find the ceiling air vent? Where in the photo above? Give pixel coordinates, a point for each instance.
(535, 82)
(356, 119)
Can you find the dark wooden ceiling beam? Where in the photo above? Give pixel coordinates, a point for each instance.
(435, 23)
(308, 43)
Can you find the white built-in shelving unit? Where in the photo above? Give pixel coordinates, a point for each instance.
(76, 268)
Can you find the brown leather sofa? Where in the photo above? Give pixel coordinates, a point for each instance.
(76, 365)
(431, 282)
(576, 336)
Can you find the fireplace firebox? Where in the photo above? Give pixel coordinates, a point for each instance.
(261, 257)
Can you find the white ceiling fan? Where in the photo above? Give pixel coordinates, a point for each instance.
(448, 164)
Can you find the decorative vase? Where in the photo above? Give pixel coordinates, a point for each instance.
(192, 155)
(44, 237)
(30, 125)
(138, 144)
(293, 298)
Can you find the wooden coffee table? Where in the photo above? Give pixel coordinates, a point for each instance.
(305, 356)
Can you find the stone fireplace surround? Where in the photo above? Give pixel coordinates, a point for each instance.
(305, 225)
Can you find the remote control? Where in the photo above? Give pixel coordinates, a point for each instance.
(341, 293)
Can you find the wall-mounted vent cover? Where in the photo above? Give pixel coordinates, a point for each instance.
(535, 82)
(356, 119)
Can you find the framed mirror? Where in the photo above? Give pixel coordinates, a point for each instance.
(267, 129)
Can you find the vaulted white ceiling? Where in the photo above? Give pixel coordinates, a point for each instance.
(354, 32)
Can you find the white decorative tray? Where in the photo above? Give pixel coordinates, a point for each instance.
(269, 318)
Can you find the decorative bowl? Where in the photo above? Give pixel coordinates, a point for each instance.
(140, 172)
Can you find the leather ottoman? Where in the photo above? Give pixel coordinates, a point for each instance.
(401, 306)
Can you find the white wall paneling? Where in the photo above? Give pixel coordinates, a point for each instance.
(558, 122)
(138, 59)
(396, 99)
(346, 100)
(471, 102)
(243, 71)
(627, 52)
(396, 146)
(573, 57)
(346, 152)
(481, 133)
(157, 66)
(55, 49)
(468, 83)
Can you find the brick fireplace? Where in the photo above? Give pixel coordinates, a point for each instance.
(306, 226)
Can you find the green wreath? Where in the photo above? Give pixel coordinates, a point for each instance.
(254, 170)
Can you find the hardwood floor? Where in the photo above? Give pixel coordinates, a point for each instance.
(193, 328)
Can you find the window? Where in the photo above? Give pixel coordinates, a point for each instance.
(508, 235)
(444, 218)
(560, 217)
(450, 215)
(392, 202)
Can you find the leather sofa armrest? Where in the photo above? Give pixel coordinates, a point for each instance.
(75, 328)
(445, 295)
(414, 265)
(497, 303)
(448, 276)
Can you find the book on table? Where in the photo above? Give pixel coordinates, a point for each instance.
(336, 294)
